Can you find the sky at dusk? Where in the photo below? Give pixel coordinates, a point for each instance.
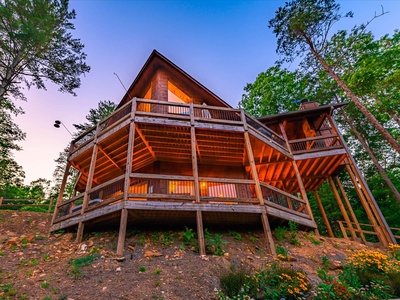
(222, 44)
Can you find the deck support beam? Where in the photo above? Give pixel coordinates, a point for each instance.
(254, 173)
(298, 176)
(61, 192)
(193, 146)
(351, 211)
(268, 233)
(367, 209)
(89, 182)
(324, 217)
(122, 232)
(384, 228)
(342, 208)
(200, 232)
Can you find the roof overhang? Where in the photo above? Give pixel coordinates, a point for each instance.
(308, 112)
(157, 61)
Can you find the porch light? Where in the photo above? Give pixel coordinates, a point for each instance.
(57, 125)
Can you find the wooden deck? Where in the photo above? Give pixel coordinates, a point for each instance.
(186, 158)
(158, 160)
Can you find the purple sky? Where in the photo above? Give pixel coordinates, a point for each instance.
(222, 44)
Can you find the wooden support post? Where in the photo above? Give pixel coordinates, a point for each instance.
(79, 233)
(1, 200)
(122, 232)
(367, 209)
(61, 192)
(129, 155)
(85, 203)
(268, 233)
(384, 227)
(48, 210)
(298, 176)
(388, 235)
(342, 208)
(194, 155)
(200, 232)
(343, 230)
(352, 214)
(324, 217)
(253, 168)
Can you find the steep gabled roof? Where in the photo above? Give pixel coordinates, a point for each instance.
(157, 61)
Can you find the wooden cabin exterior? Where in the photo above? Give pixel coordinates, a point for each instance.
(174, 152)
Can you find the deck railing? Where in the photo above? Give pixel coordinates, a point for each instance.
(274, 195)
(365, 229)
(174, 188)
(316, 143)
(156, 109)
(260, 127)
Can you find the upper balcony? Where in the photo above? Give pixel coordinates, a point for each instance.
(144, 111)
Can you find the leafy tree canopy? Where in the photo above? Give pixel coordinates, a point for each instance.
(36, 44)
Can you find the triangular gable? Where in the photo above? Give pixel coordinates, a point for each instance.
(161, 79)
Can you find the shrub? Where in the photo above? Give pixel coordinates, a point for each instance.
(77, 263)
(188, 235)
(280, 234)
(233, 282)
(273, 283)
(368, 274)
(214, 243)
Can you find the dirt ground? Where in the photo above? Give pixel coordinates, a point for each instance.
(36, 265)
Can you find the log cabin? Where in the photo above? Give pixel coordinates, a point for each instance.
(174, 152)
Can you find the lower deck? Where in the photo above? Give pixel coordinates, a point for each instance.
(157, 212)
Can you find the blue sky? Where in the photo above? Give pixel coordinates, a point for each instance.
(222, 44)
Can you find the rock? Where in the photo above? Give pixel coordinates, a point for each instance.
(13, 241)
(122, 258)
(336, 265)
(118, 269)
(82, 248)
(30, 238)
(130, 247)
(68, 237)
(154, 253)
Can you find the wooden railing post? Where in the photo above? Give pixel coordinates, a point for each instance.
(194, 154)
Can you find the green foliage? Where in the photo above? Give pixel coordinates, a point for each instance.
(142, 269)
(44, 285)
(6, 287)
(232, 282)
(188, 235)
(294, 229)
(38, 36)
(326, 263)
(157, 272)
(214, 243)
(313, 240)
(237, 236)
(368, 274)
(167, 239)
(77, 263)
(273, 283)
(280, 234)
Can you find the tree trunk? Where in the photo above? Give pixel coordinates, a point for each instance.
(370, 117)
(381, 171)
